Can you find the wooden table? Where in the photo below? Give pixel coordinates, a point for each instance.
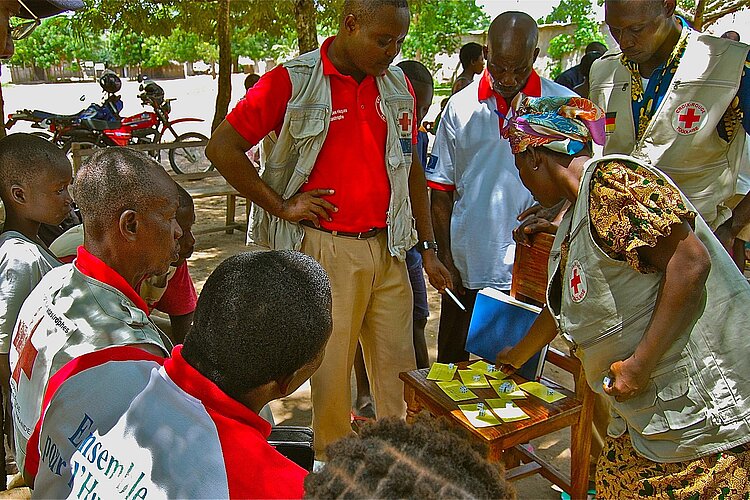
(503, 440)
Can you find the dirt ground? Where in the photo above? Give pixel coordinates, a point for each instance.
(296, 409)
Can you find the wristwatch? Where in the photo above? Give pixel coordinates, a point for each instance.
(426, 245)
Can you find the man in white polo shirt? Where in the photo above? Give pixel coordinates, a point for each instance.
(476, 192)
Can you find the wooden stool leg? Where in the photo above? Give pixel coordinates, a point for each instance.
(412, 404)
(580, 441)
(231, 203)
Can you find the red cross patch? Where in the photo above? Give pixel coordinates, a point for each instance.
(405, 122)
(689, 117)
(26, 350)
(577, 282)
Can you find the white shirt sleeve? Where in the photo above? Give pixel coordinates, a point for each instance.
(18, 277)
(441, 169)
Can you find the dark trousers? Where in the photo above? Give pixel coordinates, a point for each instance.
(454, 327)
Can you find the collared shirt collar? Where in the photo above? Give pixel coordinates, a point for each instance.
(93, 267)
(533, 88)
(194, 383)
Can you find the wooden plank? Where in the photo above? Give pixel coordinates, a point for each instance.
(547, 470)
(195, 176)
(160, 146)
(522, 471)
(208, 191)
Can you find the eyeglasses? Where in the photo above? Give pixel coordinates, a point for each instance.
(25, 28)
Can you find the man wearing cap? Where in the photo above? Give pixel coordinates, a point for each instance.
(476, 192)
(677, 99)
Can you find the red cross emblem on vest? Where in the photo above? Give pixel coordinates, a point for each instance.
(689, 117)
(26, 350)
(404, 121)
(577, 282)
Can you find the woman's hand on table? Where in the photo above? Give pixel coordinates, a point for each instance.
(628, 380)
(506, 363)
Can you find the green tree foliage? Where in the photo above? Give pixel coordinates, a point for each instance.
(57, 41)
(699, 13)
(581, 13)
(437, 26)
(703, 13)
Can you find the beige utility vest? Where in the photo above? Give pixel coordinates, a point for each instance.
(698, 398)
(681, 139)
(67, 315)
(291, 157)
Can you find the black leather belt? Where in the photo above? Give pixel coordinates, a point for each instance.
(360, 236)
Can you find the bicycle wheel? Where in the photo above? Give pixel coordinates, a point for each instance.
(190, 159)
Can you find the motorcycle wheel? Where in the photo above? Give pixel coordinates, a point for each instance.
(190, 159)
(43, 135)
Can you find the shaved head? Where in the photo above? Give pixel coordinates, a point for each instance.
(511, 51)
(23, 157)
(113, 180)
(513, 28)
(365, 10)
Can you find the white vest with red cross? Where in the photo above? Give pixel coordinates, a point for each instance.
(291, 157)
(681, 139)
(67, 315)
(697, 400)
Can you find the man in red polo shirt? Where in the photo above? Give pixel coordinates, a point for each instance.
(341, 184)
(129, 205)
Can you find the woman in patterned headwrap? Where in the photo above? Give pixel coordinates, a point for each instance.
(652, 305)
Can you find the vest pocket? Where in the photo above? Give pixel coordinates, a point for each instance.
(306, 122)
(670, 403)
(402, 226)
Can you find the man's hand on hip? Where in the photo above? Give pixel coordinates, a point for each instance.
(309, 205)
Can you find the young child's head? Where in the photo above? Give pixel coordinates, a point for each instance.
(34, 179)
(471, 56)
(392, 459)
(421, 82)
(262, 322)
(186, 219)
(251, 80)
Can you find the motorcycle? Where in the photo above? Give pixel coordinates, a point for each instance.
(102, 126)
(149, 127)
(62, 129)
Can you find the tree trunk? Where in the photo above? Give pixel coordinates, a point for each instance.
(225, 64)
(700, 8)
(307, 33)
(2, 134)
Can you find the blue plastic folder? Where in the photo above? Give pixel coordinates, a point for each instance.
(500, 321)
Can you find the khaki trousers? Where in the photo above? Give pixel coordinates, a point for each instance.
(372, 303)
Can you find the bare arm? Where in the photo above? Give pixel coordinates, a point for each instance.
(226, 150)
(686, 264)
(541, 333)
(180, 326)
(538, 219)
(442, 209)
(438, 275)
(728, 231)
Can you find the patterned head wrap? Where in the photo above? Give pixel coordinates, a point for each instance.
(562, 124)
